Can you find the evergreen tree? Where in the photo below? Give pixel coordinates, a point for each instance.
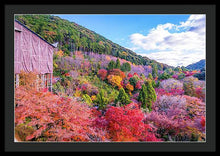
(150, 76)
(118, 64)
(126, 67)
(101, 99)
(164, 76)
(151, 95)
(111, 65)
(154, 70)
(147, 95)
(142, 96)
(123, 98)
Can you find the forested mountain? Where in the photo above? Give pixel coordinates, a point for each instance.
(72, 36)
(103, 92)
(197, 66)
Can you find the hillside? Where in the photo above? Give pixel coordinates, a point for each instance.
(197, 66)
(102, 92)
(72, 36)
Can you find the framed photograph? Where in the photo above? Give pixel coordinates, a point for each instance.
(110, 78)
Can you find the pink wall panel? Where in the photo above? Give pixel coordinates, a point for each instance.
(31, 53)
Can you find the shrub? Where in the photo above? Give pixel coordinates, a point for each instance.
(29, 80)
(126, 124)
(178, 118)
(49, 117)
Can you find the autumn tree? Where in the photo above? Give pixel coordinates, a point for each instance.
(130, 88)
(117, 72)
(115, 80)
(102, 73)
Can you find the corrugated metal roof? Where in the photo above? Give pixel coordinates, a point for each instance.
(34, 33)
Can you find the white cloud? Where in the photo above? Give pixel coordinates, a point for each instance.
(175, 58)
(183, 45)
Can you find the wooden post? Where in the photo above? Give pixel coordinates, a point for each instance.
(42, 79)
(16, 80)
(51, 75)
(37, 82)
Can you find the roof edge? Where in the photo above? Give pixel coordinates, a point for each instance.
(34, 33)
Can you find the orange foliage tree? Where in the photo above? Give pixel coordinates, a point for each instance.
(117, 72)
(115, 80)
(130, 88)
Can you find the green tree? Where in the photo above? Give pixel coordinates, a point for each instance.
(150, 76)
(178, 69)
(151, 94)
(123, 98)
(118, 64)
(111, 65)
(126, 67)
(101, 100)
(164, 76)
(133, 80)
(87, 99)
(142, 96)
(147, 95)
(154, 70)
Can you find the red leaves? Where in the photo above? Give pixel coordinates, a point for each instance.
(138, 85)
(53, 117)
(102, 73)
(129, 75)
(30, 137)
(126, 124)
(67, 74)
(202, 122)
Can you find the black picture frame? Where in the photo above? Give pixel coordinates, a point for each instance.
(208, 146)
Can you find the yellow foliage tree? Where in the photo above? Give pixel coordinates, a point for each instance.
(130, 88)
(115, 80)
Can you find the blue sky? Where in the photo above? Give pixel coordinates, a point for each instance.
(171, 39)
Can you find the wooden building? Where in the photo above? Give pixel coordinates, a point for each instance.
(32, 53)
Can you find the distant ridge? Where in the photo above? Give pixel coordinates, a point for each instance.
(197, 66)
